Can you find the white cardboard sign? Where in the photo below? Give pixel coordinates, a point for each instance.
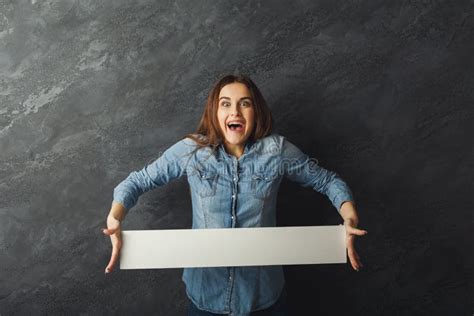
(219, 247)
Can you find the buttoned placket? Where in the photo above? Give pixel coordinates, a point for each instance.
(235, 182)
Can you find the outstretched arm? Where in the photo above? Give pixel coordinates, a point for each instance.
(304, 170)
(170, 165)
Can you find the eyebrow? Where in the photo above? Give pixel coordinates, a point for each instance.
(239, 100)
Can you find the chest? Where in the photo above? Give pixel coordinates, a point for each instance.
(254, 175)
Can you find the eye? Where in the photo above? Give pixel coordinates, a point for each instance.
(225, 104)
(246, 103)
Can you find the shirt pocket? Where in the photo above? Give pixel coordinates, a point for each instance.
(205, 181)
(262, 184)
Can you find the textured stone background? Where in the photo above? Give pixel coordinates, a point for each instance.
(379, 91)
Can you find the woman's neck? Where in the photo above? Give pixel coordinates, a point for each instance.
(234, 150)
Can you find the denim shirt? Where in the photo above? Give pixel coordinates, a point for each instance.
(227, 192)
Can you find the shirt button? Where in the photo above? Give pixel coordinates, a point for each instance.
(233, 196)
(235, 179)
(232, 217)
(230, 277)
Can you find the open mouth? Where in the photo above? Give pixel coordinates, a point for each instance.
(236, 126)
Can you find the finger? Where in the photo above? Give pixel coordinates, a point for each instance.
(352, 251)
(109, 231)
(106, 231)
(350, 242)
(356, 264)
(356, 231)
(351, 248)
(354, 256)
(357, 257)
(113, 259)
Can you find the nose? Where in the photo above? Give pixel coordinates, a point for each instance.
(235, 110)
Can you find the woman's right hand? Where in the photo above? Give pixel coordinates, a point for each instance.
(114, 231)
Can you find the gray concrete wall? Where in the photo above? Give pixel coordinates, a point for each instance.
(379, 91)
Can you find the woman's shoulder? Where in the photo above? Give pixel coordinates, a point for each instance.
(193, 142)
(277, 138)
(192, 139)
(270, 143)
(184, 145)
(275, 143)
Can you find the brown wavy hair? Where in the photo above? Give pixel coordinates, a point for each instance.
(209, 124)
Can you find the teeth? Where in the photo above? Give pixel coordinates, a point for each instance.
(235, 123)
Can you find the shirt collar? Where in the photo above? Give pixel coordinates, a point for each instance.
(248, 145)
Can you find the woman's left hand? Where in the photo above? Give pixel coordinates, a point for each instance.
(351, 233)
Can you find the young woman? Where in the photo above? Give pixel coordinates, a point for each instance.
(234, 164)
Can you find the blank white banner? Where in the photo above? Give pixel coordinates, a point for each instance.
(219, 247)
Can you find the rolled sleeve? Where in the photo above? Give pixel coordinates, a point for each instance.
(300, 168)
(170, 165)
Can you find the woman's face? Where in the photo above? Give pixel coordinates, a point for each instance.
(235, 106)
